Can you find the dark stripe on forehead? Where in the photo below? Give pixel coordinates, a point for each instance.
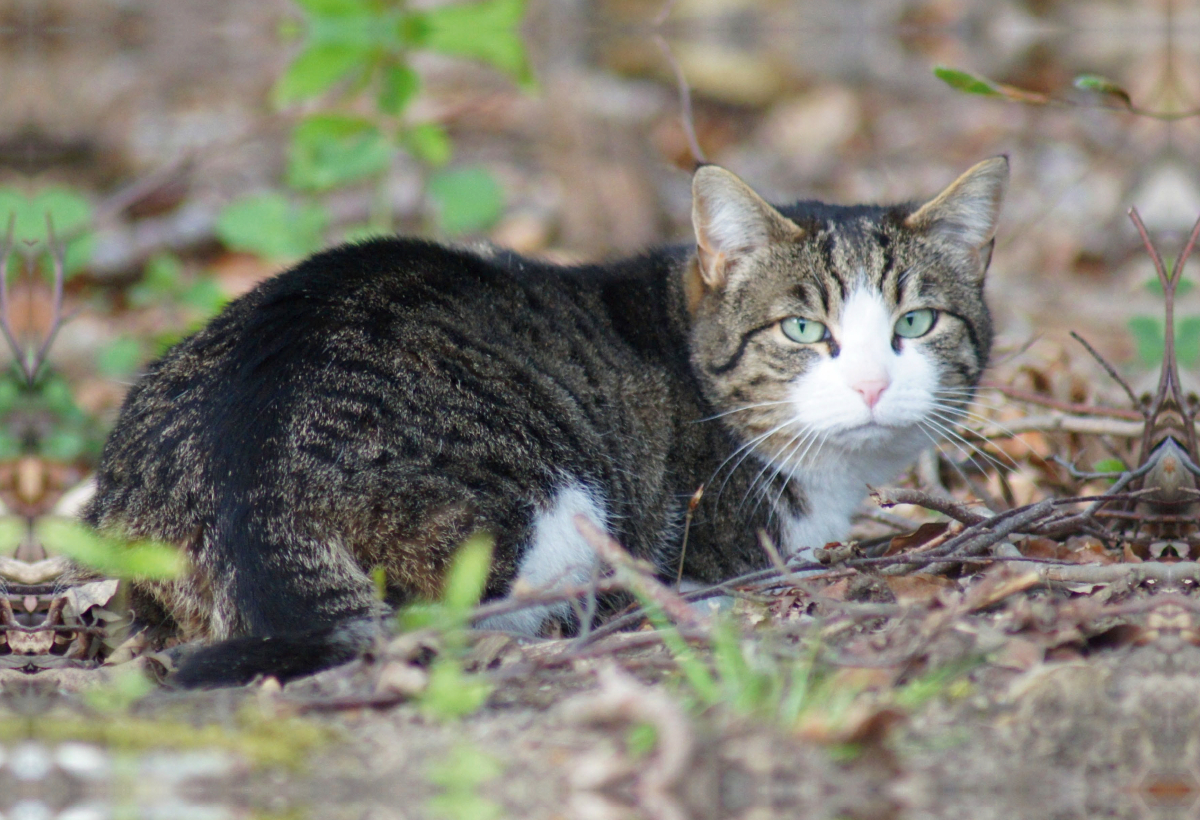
(884, 242)
(828, 246)
(823, 292)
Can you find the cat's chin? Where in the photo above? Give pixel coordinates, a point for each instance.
(873, 435)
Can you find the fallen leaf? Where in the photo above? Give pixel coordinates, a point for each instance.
(999, 583)
(1020, 654)
(919, 537)
(918, 589)
(85, 596)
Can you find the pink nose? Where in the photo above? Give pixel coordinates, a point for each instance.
(871, 390)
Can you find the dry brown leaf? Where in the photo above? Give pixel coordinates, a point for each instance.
(918, 589)
(1088, 550)
(998, 583)
(1020, 654)
(85, 596)
(919, 537)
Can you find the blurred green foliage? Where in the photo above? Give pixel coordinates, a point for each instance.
(45, 420)
(355, 59)
(460, 775)
(115, 558)
(452, 692)
(67, 210)
(764, 678)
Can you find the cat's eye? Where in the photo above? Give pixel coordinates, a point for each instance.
(916, 323)
(804, 331)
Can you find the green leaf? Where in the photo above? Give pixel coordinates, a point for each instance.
(429, 143)
(1103, 85)
(464, 768)
(204, 296)
(640, 740)
(270, 226)
(335, 8)
(69, 212)
(317, 68)
(452, 693)
(1187, 340)
(465, 199)
(361, 233)
(488, 31)
(397, 87)
(968, 83)
(126, 687)
(63, 446)
(468, 574)
(1109, 465)
(1182, 287)
(460, 775)
(160, 278)
(12, 533)
(120, 357)
(331, 149)
(111, 556)
(1147, 334)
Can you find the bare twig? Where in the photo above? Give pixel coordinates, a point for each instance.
(693, 503)
(685, 99)
(621, 698)
(1058, 422)
(5, 319)
(57, 255)
(1108, 368)
(1065, 406)
(636, 577)
(947, 506)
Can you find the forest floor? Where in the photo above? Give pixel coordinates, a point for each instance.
(983, 647)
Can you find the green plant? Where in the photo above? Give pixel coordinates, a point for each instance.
(356, 61)
(452, 692)
(113, 557)
(768, 678)
(460, 774)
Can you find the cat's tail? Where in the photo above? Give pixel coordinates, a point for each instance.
(239, 661)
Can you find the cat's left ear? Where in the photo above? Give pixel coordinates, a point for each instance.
(968, 210)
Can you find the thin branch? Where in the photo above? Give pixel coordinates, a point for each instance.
(1059, 422)
(57, 255)
(1065, 406)
(685, 99)
(1108, 368)
(635, 577)
(946, 506)
(693, 503)
(5, 320)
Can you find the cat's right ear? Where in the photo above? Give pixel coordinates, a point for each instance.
(730, 220)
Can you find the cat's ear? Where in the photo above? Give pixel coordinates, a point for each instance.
(730, 220)
(968, 210)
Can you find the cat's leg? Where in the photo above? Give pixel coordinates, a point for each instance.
(556, 556)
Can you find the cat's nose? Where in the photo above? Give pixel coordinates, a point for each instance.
(871, 390)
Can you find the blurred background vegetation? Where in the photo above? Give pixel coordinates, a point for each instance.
(185, 151)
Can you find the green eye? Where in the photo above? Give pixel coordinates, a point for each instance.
(804, 331)
(916, 323)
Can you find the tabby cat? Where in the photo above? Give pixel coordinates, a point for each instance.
(380, 402)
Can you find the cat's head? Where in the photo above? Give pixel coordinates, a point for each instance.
(840, 329)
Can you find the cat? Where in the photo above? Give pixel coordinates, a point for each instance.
(380, 402)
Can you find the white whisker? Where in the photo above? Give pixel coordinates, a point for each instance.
(741, 410)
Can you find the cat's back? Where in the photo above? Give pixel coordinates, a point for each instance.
(364, 358)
